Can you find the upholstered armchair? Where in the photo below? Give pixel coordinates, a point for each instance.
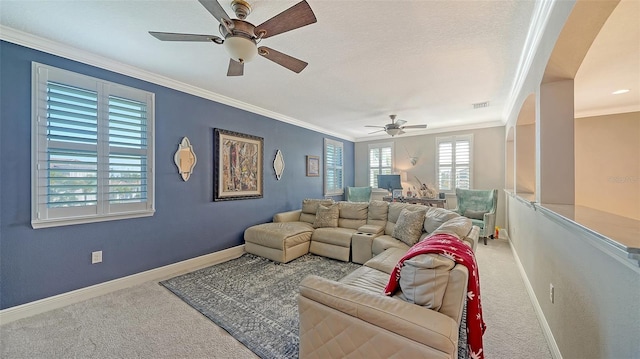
(479, 206)
(358, 194)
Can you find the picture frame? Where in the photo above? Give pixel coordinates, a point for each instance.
(397, 193)
(313, 166)
(238, 171)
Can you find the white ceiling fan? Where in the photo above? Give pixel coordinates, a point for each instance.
(395, 127)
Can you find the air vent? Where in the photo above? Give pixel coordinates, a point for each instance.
(480, 105)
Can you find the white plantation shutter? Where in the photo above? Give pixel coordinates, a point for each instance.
(127, 151)
(463, 163)
(333, 167)
(380, 162)
(92, 149)
(454, 162)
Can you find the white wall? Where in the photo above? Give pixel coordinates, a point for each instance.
(596, 309)
(596, 313)
(488, 161)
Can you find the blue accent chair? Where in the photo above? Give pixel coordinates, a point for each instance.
(479, 206)
(358, 194)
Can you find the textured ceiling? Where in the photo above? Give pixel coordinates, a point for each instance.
(426, 61)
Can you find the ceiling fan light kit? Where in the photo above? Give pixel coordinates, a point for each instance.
(240, 48)
(241, 38)
(393, 131)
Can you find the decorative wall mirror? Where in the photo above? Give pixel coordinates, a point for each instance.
(185, 159)
(278, 164)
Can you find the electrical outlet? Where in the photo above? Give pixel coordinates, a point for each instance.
(551, 292)
(96, 257)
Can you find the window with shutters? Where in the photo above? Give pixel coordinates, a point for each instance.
(92, 149)
(454, 167)
(333, 171)
(380, 161)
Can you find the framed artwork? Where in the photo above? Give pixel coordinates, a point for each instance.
(238, 168)
(313, 166)
(397, 193)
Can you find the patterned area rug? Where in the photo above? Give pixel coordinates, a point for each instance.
(255, 299)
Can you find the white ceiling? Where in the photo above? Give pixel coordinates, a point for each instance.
(426, 61)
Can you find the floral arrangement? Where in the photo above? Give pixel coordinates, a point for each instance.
(426, 189)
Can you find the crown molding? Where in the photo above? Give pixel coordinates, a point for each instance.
(607, 111)
(538, 24)
(55, 48)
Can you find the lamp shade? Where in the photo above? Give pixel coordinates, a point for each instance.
(393, 131)
(240, 48)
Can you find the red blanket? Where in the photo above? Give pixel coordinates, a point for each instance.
(451, 247)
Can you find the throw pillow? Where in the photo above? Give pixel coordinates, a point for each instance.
(474, 214)
(408, 228)
(424, 279)
(458, 227)
(435, 217)
(327, 216)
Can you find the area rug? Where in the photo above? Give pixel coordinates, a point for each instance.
(255, 299)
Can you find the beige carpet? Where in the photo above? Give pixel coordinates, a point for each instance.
(148, 321)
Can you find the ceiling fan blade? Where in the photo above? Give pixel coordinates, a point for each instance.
(414, 126)
(281, 59)
(376, 131)
(235, 68)
(171, 36)
(298, 15)
(216, 10)
(374, 126)
(400, 122)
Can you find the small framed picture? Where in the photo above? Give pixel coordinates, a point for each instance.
(313, 166)
(397, 193)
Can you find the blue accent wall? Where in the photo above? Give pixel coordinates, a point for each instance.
(36, 264)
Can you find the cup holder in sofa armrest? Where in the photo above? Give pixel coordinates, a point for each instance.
(371, 229)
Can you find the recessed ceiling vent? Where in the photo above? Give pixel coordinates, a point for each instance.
(480, 105)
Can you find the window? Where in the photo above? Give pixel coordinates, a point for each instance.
(454, 162)
(380, 161)
(92, 149)
(333, 161)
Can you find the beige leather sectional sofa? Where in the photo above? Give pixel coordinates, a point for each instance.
(352, 317)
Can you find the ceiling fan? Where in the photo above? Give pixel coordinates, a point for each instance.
(395, 127)
(241, 38)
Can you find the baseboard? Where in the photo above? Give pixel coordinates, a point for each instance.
(61, 300)
(546, 330)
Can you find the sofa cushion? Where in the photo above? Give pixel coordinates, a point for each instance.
(474, 214)
(378, 211)
(335, 236)
(353, 210)
(353, 214)
(386, 261)
(424, 279)
(435, 217)
(310, 207)
(274, 235)
(326, 216)
(409, 226)
(458, 227)
(367, 278)
(384, 242)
